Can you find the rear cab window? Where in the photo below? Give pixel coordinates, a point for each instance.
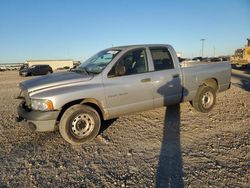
(162, 59)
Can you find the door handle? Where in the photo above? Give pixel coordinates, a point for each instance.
(175, 75)
(146, 80)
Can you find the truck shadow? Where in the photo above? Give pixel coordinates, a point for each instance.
(169, 171)
(244, 81)
(106, 124)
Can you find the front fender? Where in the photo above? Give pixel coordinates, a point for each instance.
(65, 94)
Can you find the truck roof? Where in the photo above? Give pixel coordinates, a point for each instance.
(138, 46)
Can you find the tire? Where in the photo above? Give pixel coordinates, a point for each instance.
(205, 99)
(49, 72)
(24, 75)
(79, 124)
(238, 66)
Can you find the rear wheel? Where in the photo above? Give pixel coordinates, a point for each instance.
(79, 124)
(205, 99)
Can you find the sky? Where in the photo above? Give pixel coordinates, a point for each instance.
(76, 29)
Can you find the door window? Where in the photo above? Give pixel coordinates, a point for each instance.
(162, 59)
(133, 62)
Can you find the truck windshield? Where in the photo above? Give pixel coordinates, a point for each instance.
(98, 62)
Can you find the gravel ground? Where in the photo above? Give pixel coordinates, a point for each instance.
(176, 146)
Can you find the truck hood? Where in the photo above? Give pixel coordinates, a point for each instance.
(55, 79)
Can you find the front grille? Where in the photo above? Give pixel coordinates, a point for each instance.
(26, 97)
(24, 106)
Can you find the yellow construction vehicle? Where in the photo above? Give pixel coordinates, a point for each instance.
(241, 57)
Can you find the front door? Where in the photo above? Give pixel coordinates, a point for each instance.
(128, 86)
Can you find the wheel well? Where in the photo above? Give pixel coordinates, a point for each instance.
(96, 107)
(212, 82)
(80, 101)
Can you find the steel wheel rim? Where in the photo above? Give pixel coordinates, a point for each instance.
(207, 99)
(82, 125)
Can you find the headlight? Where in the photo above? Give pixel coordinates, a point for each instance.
(41, 104)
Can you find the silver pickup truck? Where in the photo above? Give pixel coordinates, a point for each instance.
(114, 82)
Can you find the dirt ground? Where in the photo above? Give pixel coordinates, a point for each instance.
(173, 147)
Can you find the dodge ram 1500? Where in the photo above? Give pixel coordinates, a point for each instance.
(114, 82)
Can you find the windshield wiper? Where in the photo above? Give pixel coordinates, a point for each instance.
(79, 70)
(83, 69)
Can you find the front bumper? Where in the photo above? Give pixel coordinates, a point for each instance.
(37, 120)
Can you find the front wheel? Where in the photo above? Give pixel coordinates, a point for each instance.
(79, 124)
(49, 72)
(205, 99)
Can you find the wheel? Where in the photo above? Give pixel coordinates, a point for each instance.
(238, 66)
(205, 99)
(24, 74)
(79, 124)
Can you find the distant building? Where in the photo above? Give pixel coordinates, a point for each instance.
(55, 64)
(10, 66)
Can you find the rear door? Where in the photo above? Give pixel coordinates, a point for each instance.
(128, 86)
(166, 79)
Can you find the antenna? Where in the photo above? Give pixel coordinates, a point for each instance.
(202, 46)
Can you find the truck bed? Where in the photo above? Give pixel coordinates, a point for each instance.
(193, 73)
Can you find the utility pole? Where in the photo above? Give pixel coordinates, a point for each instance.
(202, 46)
(214, 51)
